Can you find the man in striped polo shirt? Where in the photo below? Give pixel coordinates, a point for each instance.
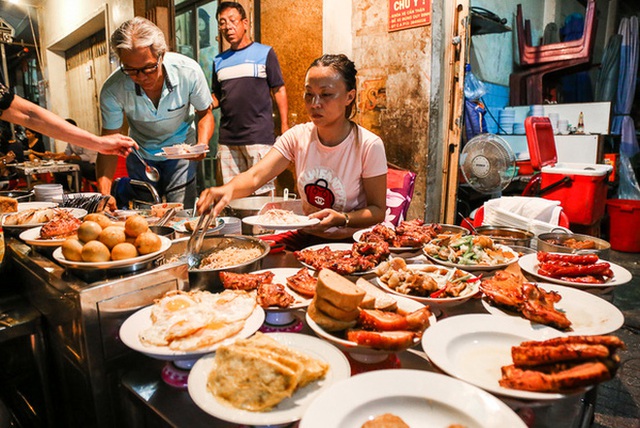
(245, 76)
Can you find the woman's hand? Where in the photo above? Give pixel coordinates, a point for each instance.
(116, 144)
(328, 218)
(214, 199)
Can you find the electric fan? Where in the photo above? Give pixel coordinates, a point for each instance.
(487, 163)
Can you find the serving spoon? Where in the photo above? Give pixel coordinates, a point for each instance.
(150, 171)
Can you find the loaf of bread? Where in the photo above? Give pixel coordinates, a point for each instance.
(338, 290)
(326, 322)
(335, 312)
(375, 298)
(8, 205)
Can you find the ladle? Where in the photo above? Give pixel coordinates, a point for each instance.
(150, 171)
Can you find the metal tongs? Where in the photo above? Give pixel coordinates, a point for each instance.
(197, 237)
(166, 217)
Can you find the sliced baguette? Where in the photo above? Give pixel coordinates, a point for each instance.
(338, 290)
(325, 321)
(375, 298)
(328, 308)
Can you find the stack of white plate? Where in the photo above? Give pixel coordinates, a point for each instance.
(47, 192)
(507, 119)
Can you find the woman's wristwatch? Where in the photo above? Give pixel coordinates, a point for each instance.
(346, 220)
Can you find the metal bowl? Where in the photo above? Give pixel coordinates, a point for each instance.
(209, 279)
(508, 236)
(552, 242)
(19, 195)
(167, 231)
(452, 229)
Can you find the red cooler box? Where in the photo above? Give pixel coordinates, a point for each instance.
(583, 193)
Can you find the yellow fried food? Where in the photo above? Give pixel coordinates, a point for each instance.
(112, 236)
(72, 250)
(95, 251)
(123, 251)
(148, 242)
(89, 230)
(135, 225)
(101, 219)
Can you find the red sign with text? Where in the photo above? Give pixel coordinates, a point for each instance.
(409, 14)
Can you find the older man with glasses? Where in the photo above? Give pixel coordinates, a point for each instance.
(161, 94)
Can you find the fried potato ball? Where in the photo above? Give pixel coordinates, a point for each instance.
(72, 250)
(88, 231)
(95, 251)
(112, 236)
(135, 225)
(148, 242)
(123, 251)
(101, 219)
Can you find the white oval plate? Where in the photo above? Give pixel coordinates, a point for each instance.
(59, 257)
(472, 290)
(476, 267)
(338, 246)
(588, 313)
(35, 205)
(288, 410)
(420, 398)
(303, 221)
(405, 304)
(179, 225)
(474, 348)
(76, 212)
(32, 237)
(181, 155)
(357, 236)
(529, 264)
(280, 277)
(141, 320)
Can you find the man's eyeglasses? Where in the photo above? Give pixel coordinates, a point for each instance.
(144, 70)
(228, 24)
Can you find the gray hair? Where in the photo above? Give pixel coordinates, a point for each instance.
(138, 32)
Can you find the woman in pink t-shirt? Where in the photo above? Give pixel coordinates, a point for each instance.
(341, 167)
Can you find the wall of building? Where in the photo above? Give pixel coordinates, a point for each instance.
(393, 88)
(61, 23)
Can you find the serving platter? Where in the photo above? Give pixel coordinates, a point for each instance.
(59, 257)
(529, 263)
(474, 347)
(280, 277)
(141, 320)
(357, 236)
(420, 398)
(32, 237)
(588, 313)
(472, 288)
(288, 410)
(181, 155)
(76, 212)
(302, 221)
(365, 353)
(476, 267)
(180, 227)
(336, 246)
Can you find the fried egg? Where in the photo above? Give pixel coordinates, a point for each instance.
(173, 302)
(193, 320)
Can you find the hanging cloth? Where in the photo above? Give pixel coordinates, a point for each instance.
(622, 122)
(609, 70)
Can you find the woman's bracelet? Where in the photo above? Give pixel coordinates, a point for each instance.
(346, 220)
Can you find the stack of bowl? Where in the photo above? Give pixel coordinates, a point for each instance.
(507, 119)
(47, 192)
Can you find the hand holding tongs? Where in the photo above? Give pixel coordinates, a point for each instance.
(195, 242)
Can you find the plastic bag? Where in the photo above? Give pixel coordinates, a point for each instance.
(628, 187)
(474, 89)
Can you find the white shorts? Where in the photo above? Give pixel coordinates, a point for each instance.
(237, 159)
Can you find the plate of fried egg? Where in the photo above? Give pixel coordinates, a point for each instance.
(185, 325)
